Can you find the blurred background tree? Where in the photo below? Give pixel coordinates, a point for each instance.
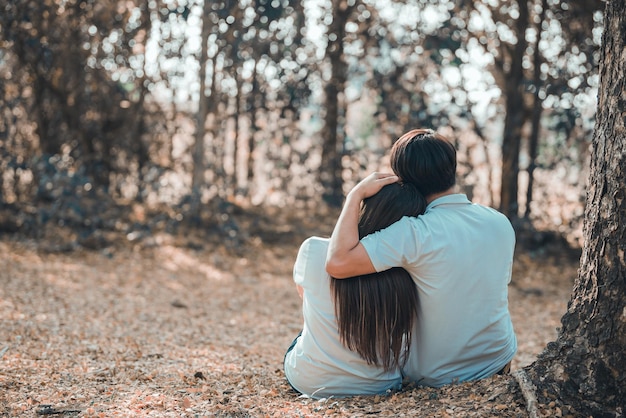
(186, 109)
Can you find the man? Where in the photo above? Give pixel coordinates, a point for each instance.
(459, 254)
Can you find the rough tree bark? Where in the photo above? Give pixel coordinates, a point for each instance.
(585, 367)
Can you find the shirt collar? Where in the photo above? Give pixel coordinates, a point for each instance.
(450, 199)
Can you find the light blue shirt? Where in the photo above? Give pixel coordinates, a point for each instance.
(460, 256)
(319, 365)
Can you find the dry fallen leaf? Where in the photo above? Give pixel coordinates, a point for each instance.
(84, 327)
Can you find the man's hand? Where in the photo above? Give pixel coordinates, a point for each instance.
(372, 184)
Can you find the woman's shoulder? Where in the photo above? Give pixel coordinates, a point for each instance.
(314, 243)
(312, 251)
(309, 265)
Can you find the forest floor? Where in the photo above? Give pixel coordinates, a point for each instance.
(180, 325)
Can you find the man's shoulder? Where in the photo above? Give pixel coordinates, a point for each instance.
(475, 213)
(493, 213)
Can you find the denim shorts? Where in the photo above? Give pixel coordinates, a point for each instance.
(291, 346)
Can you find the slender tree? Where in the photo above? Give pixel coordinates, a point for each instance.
(584, 368)
(514, 118)
(537, 107)
(199, 163)
(332, 140)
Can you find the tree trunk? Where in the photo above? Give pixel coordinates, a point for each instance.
(232, 185)
(332, 142)
(514, 119)
(252, 112)
(233, 39)
(533, 141)
(201, 117)
(585, 367)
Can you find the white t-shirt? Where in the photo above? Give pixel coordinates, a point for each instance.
(460, 256)
(319, 365)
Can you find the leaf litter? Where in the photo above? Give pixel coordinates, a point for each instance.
(173, 331)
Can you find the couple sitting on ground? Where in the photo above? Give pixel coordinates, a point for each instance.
(412, 283)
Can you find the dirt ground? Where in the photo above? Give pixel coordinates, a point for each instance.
(170, 329)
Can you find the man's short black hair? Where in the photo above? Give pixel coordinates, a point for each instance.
(425, 159)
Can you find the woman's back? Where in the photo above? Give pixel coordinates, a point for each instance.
(356, 331)
(376, 312)
(319, 365)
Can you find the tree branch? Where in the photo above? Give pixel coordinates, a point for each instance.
(528, 390)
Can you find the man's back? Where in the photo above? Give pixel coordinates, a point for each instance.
(460, 256)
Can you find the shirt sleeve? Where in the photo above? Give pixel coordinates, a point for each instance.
(394, 246)
(309, 269)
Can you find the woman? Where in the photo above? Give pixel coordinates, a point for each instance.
(356, 331)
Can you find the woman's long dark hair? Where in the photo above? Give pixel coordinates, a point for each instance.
(375, 312)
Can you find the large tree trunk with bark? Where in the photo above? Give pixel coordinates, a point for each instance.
(586, 367)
